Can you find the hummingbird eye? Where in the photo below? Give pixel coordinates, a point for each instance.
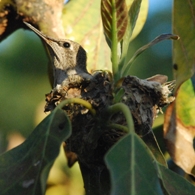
(66, 44)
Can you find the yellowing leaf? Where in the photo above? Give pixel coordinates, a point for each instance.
(179, 128)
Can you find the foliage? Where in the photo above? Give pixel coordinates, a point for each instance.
(134, 167)
(30, 163)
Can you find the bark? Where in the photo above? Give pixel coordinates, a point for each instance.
(45, 15)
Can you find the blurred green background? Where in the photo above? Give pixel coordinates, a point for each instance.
(23, 82)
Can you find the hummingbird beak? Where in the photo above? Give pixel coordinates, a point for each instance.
(40, 34)
(48, 40)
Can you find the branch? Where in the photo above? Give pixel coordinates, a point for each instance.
(45, 15)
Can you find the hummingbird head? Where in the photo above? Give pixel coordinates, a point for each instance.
(68, 57)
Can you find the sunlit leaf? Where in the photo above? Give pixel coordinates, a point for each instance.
(179, 128)
(134, 8)
(185, 103)
(24, 169)
(183, 50)
(82, 23)
(115, 18)
(133, 14)
(138, 11)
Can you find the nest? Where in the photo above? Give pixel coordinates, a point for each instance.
(91, 136)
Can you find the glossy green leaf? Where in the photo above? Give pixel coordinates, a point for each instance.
(24, 169)
(183, 50)
(82, 23)
(132, 168)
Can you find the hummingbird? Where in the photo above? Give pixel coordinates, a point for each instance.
(68, 60)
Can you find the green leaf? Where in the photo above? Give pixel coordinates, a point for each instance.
(183, 50)
(132, 168)
(24, 169)
(82, 23)
(138, 13)
(174, 183)
(114, 18)
(133, 16)
(134, 171)
(186, 103)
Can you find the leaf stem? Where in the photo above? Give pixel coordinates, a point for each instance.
(118, 126)
(78, 101)
(120, 107)
(114, 56)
